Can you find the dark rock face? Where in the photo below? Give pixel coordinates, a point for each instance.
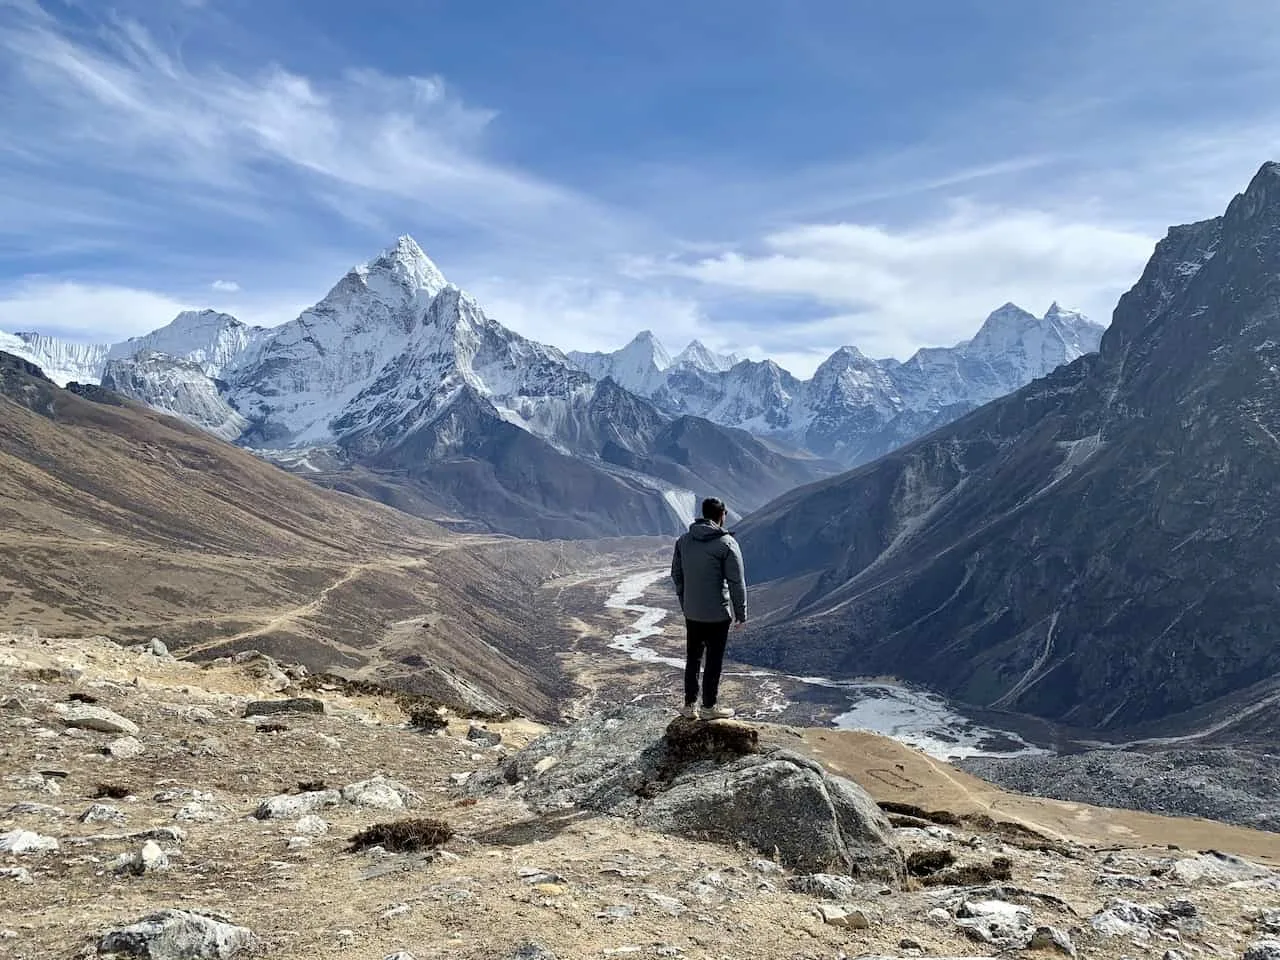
(706, 782)
(1100, 548)
(267, 708)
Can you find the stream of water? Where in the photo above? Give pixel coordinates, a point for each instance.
(913, 716)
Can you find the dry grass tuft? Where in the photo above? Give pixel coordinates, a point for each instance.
(924, 863)
(403, 836)
(943, 817)
(111, 791)
(972, 874)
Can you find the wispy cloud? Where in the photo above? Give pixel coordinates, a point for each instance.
(225, 286)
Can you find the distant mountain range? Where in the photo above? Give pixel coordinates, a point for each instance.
(397, 385)
(1100, 548)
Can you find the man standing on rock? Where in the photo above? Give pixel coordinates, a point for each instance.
(711, 584)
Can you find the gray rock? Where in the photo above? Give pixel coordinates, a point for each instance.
(995, 921)
(1263, 950)
(155, 646)
(86, 717)
(478, 734)
(26, 841)
(532, 950)
(126, 748)
(35, 810)
(267, 708)
(1267, 921)
(841, 917)
(380, 793)
(149, 859)
(311, 826)
(1052, 939)
(825, 886)
(102, 813)
(19, 874)
(291, 806)
(1216, 868)
(400, 955)
(178, 935)
(623, 762)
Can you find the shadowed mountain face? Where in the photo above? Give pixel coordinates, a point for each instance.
(1101, 548)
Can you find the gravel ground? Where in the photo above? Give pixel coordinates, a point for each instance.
(1229, 784)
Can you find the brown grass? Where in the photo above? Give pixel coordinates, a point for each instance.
(404, 836)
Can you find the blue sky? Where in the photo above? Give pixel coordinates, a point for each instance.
(776, 178)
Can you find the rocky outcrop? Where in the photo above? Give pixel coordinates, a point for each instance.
(707, 781)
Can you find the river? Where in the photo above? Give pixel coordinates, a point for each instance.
(917, 717)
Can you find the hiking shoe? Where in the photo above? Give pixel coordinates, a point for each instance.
(689, 711)
(716, 713)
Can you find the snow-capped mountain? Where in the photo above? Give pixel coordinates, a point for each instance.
(177, 387)
(211, 340)
(643, 366)
(855, 408)
(399, 372)
(61, 360)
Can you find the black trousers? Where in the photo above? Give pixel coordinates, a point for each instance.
(707, 639)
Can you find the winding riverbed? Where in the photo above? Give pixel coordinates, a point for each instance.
(913, 716)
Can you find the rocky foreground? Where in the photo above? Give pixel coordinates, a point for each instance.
(155, 808)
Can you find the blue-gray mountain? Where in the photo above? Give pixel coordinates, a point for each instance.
(1102, 547)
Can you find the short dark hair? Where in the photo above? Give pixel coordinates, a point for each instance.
(713, 508)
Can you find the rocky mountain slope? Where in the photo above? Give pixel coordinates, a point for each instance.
(854, 409)
(116, 519)
(155, 807)
(1097, 548)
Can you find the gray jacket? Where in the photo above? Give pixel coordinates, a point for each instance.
(707, 570)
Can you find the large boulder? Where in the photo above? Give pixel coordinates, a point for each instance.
(708, 781)
(100, 719)
(177, 935)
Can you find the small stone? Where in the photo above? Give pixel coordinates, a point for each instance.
(299, 843)
(345, 936)
(152, 857)
(767, 867)
(1181, 908)
(619, 911)
(939, 916)
(20, 874)
(1173, 955)
(906, 943)
(400, 955)
(545, 764)
(311, 826)
(479, 734)
(840, 917)
(1053, 940)
(98, 718)
(826, 886)
(126, 748)
(102, 813)
(532, 950)
(395, 910)
(26, 841)
(1263, 950)
(460, 778)
(533, 875)
(157, 648)
(668, 905)
(267, 708)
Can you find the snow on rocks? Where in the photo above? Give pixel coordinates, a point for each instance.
(101, 719)
(292, 806)
(178, 935)
(26, 841)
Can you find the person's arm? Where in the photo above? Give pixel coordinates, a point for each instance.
(735, 575)
(677, 574)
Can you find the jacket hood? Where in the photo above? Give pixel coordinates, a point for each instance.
(703, 529)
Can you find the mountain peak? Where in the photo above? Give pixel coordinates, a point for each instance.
(696, 354)
(407, 265)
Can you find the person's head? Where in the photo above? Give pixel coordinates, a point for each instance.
(713, 509)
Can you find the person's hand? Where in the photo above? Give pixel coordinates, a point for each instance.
(740, 624)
